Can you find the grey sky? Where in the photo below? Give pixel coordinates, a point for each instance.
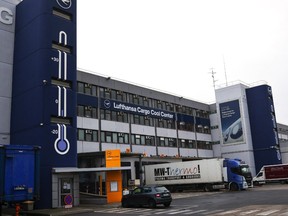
(171, 45)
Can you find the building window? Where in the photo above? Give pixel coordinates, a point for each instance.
(87, 135)
(90, 112)
(114, 116)
(107, 93)
(80, 110)
(114, 137)
(107, 115)
(123, 138)
(161, 141)
(148, 121)
(137, 139)
(81, 135)
(87, 111)
(80, 87)
(121, 96)
(106, 137)
(149, 140)
(146, 101)
(160, 123)
(172, 142)
(122, 117)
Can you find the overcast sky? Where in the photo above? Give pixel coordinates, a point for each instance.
(171, 45)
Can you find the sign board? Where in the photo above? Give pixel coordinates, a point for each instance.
(113, 158)
(68, 199)
(231, 122)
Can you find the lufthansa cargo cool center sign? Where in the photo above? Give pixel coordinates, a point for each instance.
(136, 109)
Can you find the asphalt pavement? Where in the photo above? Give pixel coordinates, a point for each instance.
(83, 208)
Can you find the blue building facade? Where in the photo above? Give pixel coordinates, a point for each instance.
(44, 85)
(263, 126)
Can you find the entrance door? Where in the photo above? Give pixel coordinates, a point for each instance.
(66, 191)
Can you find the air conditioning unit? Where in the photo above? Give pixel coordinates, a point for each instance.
(88, 131)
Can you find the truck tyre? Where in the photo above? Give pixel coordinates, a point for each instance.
(152, 203)
(256, 183)
(234, 187)
(207, 188)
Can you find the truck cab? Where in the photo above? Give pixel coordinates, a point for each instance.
(259, 179)
(238, 173)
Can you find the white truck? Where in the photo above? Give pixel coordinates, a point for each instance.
(272, 173)
(206, 174)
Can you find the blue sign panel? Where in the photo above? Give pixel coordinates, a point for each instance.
(231, 122)
(136, 109)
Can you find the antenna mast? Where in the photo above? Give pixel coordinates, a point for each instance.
(213, 77)
(225, 71)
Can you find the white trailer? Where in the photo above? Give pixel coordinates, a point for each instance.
(207, 174)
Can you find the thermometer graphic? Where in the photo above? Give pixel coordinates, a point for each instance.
(62, 64)
(61, 144)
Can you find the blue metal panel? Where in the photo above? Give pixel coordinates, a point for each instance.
(20, 171)
(39, 66)
(44, 86)
(87, 100)
(263, 125)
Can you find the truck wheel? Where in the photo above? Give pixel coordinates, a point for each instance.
(152, 203)
(256, 183)
(234, 187)
(207, 188)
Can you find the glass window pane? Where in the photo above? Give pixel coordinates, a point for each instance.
(95, 136)
(80, 87)
(80, 110)
(115, 138)
(81, 135)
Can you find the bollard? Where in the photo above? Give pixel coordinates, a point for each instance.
(17, 209)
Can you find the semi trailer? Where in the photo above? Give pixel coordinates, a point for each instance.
(207, 174)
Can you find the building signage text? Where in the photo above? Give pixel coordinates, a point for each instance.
(169, 173)
(6, 16)
(120, 106)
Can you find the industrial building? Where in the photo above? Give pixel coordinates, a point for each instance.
(76, 117)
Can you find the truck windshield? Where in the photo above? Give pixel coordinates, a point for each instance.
(245, 169)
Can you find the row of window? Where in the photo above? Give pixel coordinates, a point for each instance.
(136, 139)
(113, 94)
(91, 112)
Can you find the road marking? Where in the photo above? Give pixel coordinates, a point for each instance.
(143, 210)
(163, 211)
(249, 212)
(229, 212)
(179, 212)
(267, 212)
(195, 212)
(212, 212)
